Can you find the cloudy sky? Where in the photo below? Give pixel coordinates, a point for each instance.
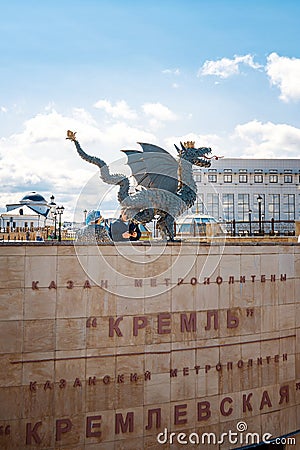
(225, 73)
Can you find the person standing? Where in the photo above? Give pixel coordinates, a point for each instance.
(134, 231)
(121, 230)
(95, 230)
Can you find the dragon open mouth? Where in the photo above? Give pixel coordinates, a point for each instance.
(203, 162)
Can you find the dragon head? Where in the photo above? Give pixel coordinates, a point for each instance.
(196, 156)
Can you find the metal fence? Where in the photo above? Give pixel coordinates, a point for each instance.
(260, 228)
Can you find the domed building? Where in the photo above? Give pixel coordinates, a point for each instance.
(32, 211)
(34, 201)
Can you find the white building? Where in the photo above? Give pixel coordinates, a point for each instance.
(32, 212)
(230, 188)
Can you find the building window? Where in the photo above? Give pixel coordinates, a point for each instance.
(258, 178)
(197, 177)
(25, 224)
(274, 206)
(243, 178)
(198, 207)
(288, 207)
(273, 178)
(243, 207)
(212, 205)
(228, 206)
(212, 178)
(288, 178)
(227, 178)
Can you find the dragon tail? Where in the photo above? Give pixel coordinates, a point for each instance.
(116, 179)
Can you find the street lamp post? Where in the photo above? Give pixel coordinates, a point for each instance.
(60, 211)
(55, 222)
(263, 224)
(54, 213)
(85, 213)
(259, 200)
(250, 222)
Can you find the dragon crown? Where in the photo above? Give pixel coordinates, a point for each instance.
(189, 144)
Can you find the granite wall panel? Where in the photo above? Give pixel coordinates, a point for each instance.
(105, 348)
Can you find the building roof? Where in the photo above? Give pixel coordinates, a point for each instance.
(36, 202)
(33, 197)
(21, 210)
(252, 164)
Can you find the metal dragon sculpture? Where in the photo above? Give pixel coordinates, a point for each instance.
(166, 188)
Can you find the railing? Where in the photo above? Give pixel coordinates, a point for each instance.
(36, 235)
(260, 228)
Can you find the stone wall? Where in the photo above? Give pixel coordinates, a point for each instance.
(105, 347)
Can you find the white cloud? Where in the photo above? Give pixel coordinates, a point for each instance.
(84, 117)
(52, 126)
(158, 111)
(285, 74)
(120, 110)
(201, 140)
(3, 109)
(171, 72)
(175, 86)
(226, 67)
(266, 140)
(158, 114)
(50, 106)
(253, 139)
(40, 158)
(120, 135)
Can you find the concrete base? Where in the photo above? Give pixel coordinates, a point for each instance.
(108, 347)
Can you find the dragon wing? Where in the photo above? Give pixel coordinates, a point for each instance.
(154, 167)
